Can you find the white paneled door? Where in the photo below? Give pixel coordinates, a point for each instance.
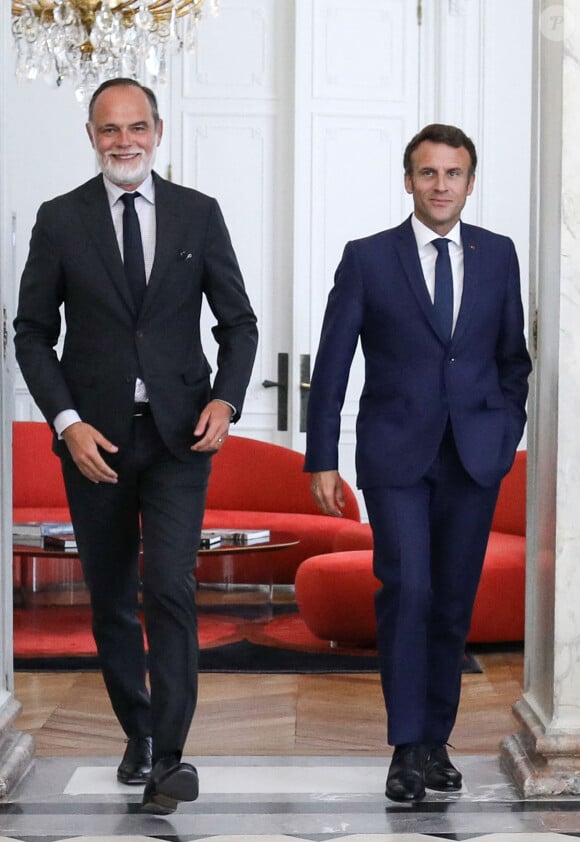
(294, 115)
(232, 138)
(357, 95)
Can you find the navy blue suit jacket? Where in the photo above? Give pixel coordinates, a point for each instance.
(415, 380)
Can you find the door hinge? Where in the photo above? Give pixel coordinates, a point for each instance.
(304, 389)
(419, 12)
(534, 337)
(4, 331)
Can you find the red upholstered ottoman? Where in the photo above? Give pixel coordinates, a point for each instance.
(335, 595)
(499, 610)
(335, 592)
(353, 536)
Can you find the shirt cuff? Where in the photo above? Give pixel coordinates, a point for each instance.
(227, 403)
(64, 419)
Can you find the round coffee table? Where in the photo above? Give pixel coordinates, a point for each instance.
(227, 560)
(34, 563)
(276, 541)
(71, 588)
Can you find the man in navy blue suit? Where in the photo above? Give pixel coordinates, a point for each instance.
(437, 308)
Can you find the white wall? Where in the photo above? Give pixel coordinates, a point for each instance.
(477, 74)
(47, 152)
(295, 114)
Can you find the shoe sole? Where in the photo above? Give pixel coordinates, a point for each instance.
(181, 785)
(160, 805)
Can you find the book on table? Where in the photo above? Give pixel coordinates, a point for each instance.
(238, 536)
(251, 536)
(40, 528)
(33, 533)
(209, 539)
(28, 541)
(60, 542)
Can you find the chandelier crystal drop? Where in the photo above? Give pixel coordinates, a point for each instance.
(89, 41)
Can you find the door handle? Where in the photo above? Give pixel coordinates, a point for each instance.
(282, 385)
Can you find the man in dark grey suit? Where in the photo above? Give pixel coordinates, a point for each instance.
(135, 415)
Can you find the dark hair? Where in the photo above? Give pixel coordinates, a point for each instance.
(440, 133)
(121, 81)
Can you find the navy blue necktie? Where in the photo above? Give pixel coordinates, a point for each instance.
(133, 250)
(443, 300)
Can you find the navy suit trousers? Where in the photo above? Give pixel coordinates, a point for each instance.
(430, 540)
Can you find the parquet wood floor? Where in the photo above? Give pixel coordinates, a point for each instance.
(240, 714)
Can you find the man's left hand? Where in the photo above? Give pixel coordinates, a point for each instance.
(213, 426)
(328, 491)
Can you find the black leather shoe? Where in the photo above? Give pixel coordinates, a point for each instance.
(170, 782)
(440, 773)
(135, 767)
(405, 781)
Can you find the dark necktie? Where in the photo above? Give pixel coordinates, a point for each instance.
(443, 300)
(133, 250)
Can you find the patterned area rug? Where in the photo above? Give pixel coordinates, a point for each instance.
(232, 639)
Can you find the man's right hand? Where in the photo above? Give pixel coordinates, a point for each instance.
(327, 490)
(83, 442)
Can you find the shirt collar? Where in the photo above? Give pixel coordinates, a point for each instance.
(114, 192)
(425, 235)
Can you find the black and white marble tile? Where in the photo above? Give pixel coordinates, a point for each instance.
(279, 799)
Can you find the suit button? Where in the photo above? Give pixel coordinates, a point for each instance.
(139, 334)
(451, 360)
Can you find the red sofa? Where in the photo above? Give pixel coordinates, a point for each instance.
(335, 592)
(38, 494)
(253, 484)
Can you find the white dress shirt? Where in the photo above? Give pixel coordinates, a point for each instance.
(428, 255)
(145, 207)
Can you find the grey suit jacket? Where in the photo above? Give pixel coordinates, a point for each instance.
(74, 260)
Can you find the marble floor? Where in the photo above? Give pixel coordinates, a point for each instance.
(282, 758)
(278, 798)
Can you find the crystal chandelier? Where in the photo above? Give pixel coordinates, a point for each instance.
(89, 41)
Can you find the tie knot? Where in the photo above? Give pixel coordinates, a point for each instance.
(128, 199)
(440, 244)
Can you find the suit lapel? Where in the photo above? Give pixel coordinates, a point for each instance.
(470, 280)
(409, 257)
(97, 217)
(407, 250)
(169, 226)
